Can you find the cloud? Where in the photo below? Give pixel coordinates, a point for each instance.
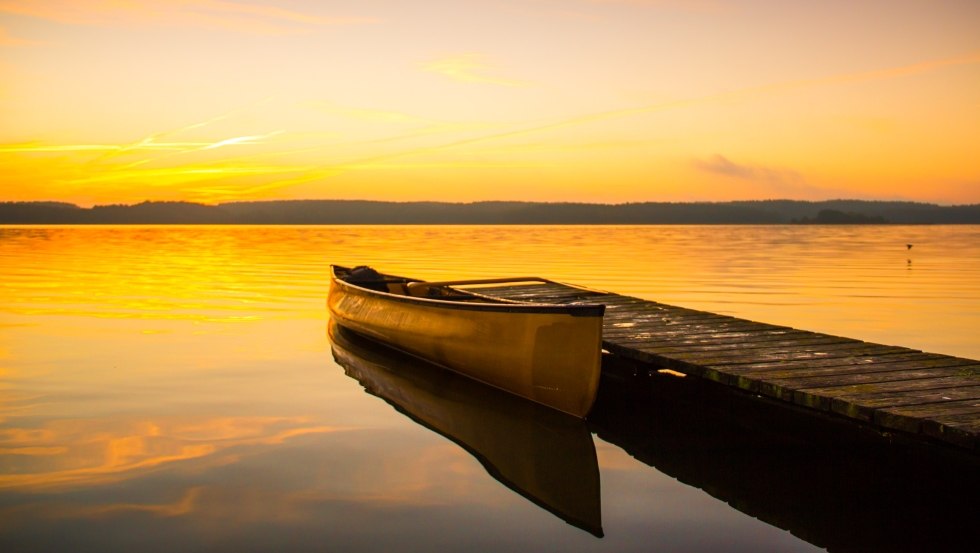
(469, 67)
(149, 144)
(685, 5)
(783, 181)
(749, 93)
(223, 14)
(969, 58)
(154, 162)
(7, 40)
(365, 114)
(721, 165)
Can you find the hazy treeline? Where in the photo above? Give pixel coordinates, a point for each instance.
(349, 212)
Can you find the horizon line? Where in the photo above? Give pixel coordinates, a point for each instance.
(472, 202)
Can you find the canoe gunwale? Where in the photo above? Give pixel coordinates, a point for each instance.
(578, 310)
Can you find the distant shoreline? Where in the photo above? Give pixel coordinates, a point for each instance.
(363, 212)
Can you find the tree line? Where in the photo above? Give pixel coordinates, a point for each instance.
(354, 212)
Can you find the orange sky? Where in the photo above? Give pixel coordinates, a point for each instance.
(462, 100)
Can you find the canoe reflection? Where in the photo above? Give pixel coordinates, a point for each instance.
(546, 456)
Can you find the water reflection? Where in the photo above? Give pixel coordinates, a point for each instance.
(541, 454)
(77, 453)
(836, 486)
(170, 389)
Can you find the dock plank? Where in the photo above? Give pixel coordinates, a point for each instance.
(961, 429)
(866, 404)
(859, 364)
(910, 418)
(776, 372)
(786, 388)
(934, 396)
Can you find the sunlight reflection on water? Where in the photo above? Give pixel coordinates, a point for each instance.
(857, 281)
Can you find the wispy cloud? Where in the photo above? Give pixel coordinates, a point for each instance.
(685, 5)
(6, 39)
(365, 114)
(149, 144)
(721, 165)
(747, 93)
(166, 177)
(223, 14)
(970, 58)
(240, 140)
(470, 67)
(779, 181)
(155, 162)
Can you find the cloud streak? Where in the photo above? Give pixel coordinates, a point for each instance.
(683, 5)
(470, 67)
(212, 14)
(149, 144)
(6, 39)
(972, 58)
(721, 165)
(780, 181)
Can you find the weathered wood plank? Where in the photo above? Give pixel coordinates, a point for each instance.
(676, 330)
(862, 402)
(721, 358)
(612, 325)
(865, 404)
(803, 372)
(709, 343)
(691, 327)
(841, 379)
(866, 363)
(786, 388)
(910, 418)
(625, 329)
(961, 429)
(664, 317)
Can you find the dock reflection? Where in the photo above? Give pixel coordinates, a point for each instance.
(835, 485)
(546, 456)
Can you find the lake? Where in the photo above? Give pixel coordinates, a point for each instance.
(177, 388)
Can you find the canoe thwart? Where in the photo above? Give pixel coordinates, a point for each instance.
(503, 280)
(422, 286)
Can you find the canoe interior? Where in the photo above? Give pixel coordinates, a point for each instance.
(379, 282)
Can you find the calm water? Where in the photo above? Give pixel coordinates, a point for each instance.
(175, 388)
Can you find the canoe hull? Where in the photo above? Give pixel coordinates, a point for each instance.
(548, 354)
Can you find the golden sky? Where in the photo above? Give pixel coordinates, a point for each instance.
(463, 100)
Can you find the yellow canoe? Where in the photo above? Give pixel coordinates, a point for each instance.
(546, 456)
(548, 353)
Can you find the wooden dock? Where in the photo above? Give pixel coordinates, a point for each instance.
(891, 388)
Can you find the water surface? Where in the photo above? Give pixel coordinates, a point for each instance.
(176, 388)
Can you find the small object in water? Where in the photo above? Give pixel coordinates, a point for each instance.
(908, 246)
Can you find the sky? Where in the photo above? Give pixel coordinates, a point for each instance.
(122, 101)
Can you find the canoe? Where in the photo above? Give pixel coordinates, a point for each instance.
(547, 353)
(545, 456)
